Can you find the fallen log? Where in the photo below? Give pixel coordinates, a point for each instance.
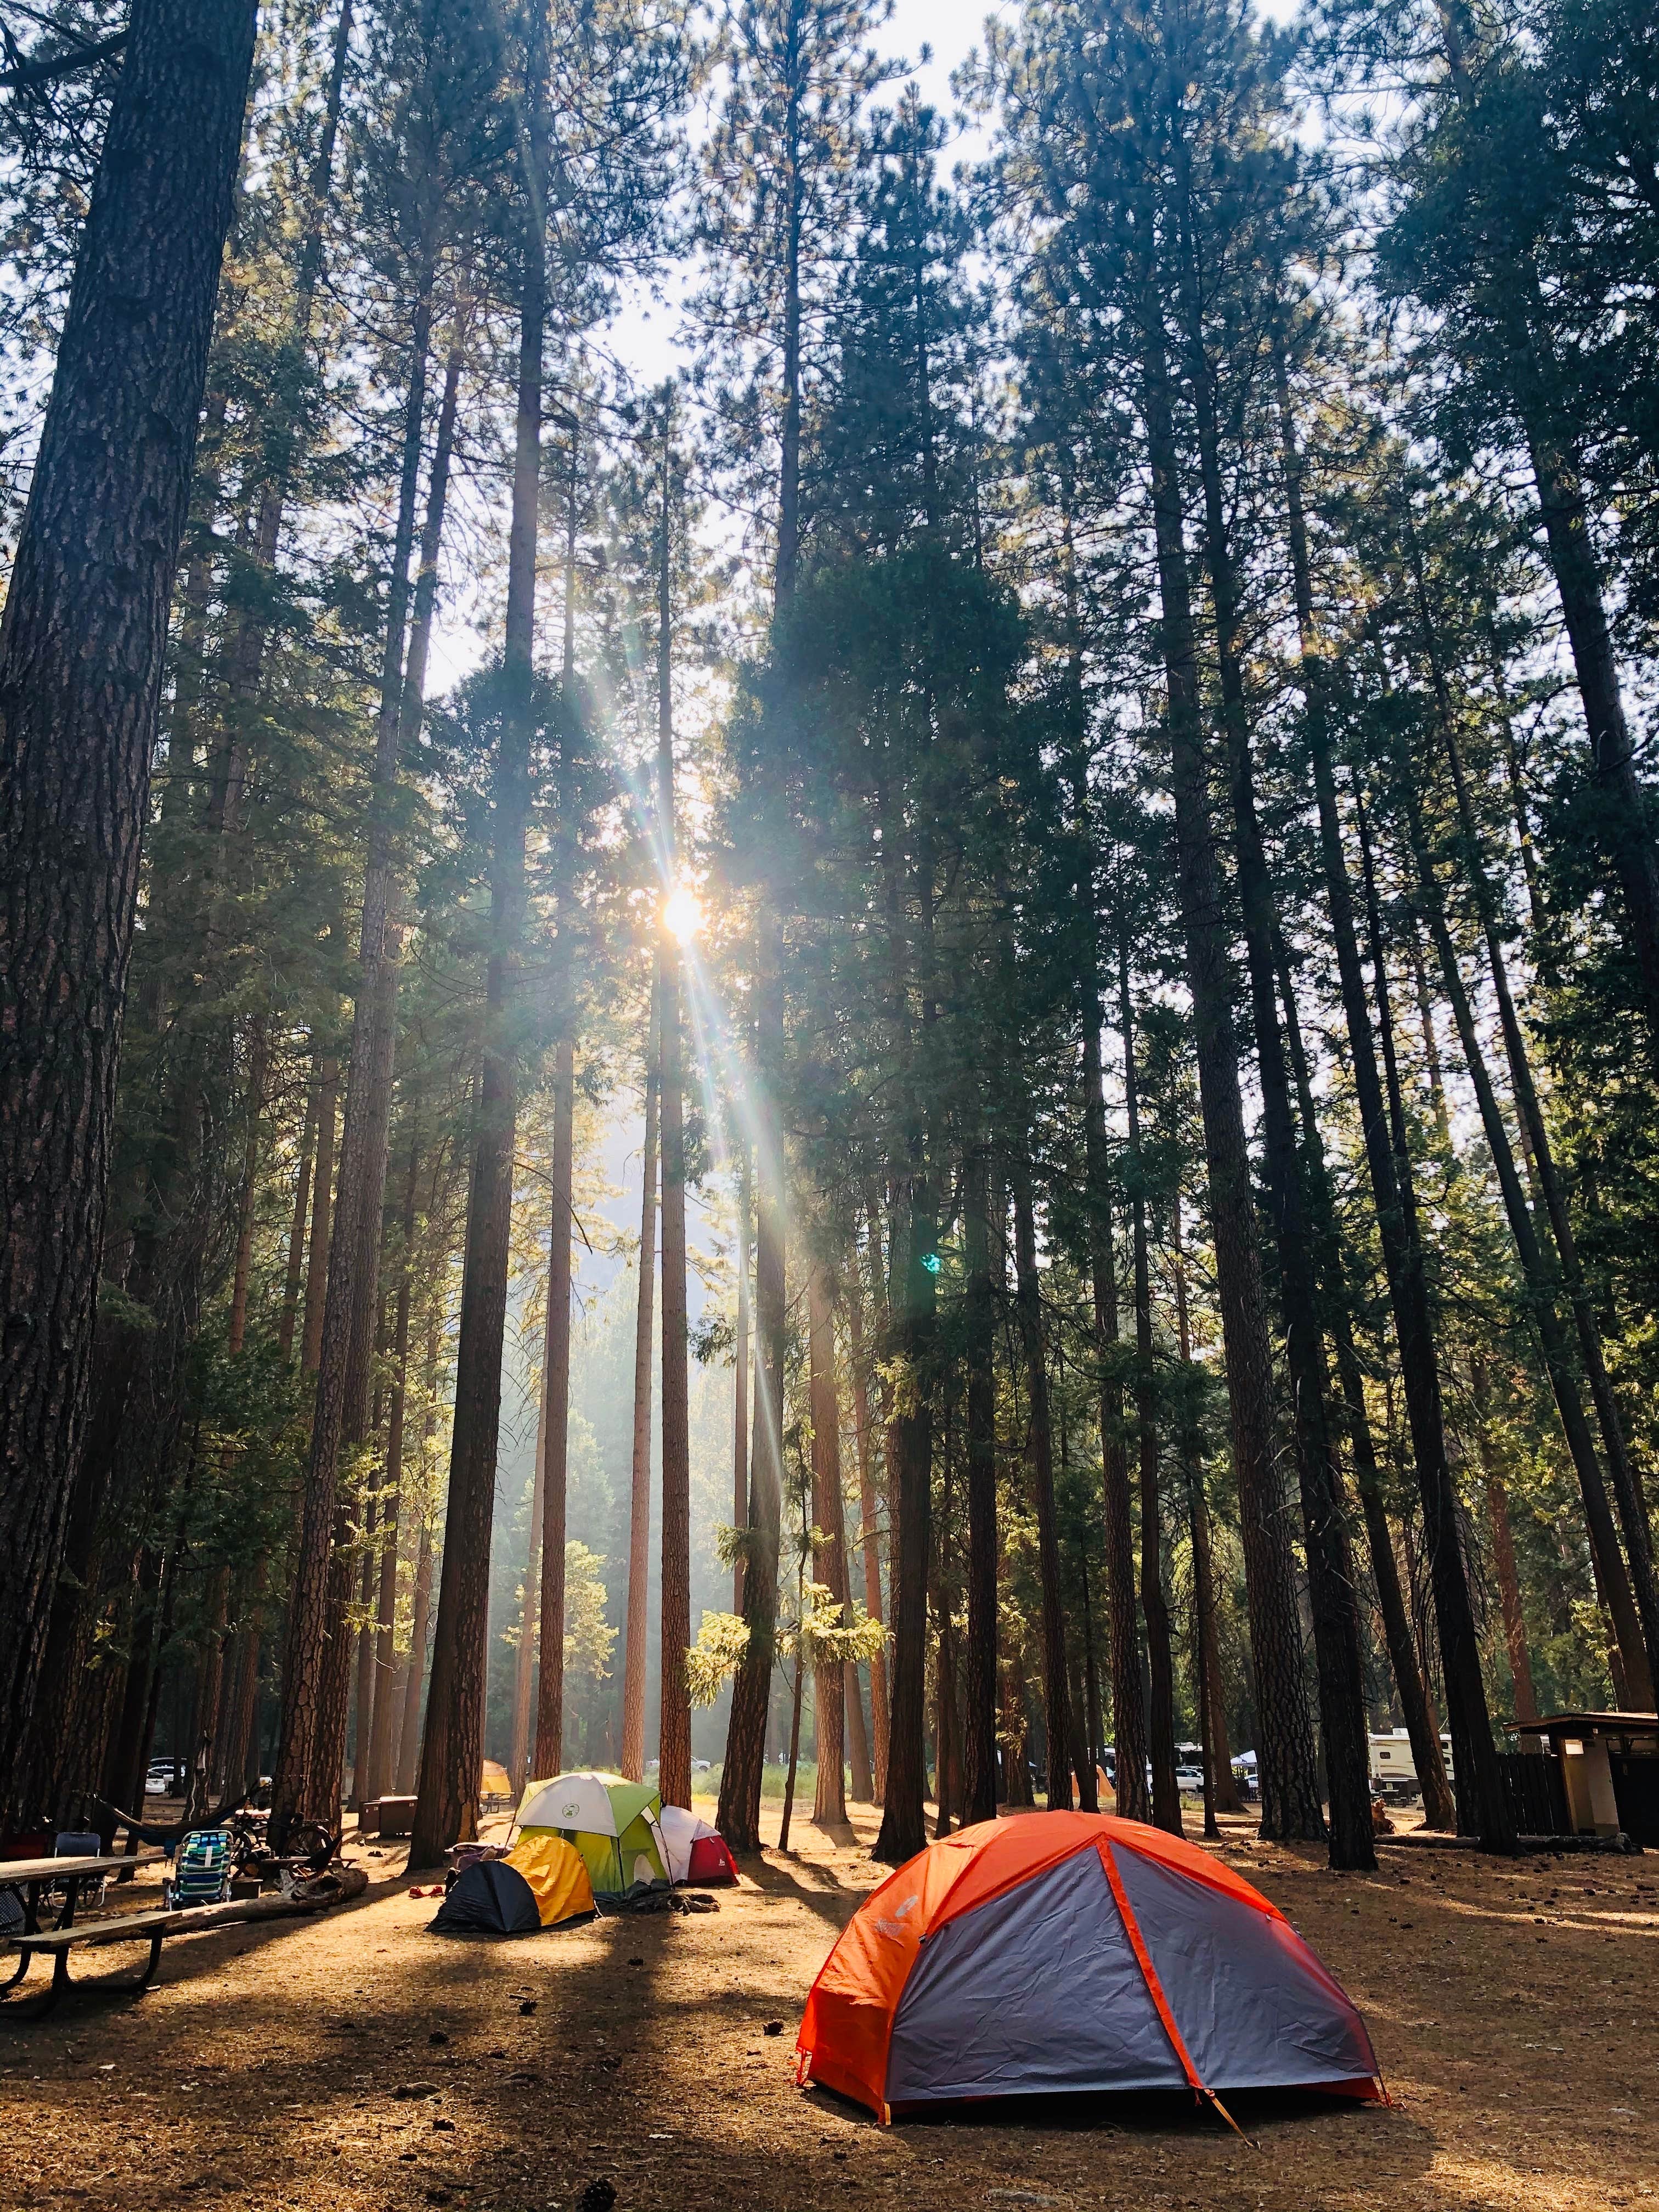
(336, 1885)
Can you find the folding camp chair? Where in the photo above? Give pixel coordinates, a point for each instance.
(201, 1873)
(72, 1843)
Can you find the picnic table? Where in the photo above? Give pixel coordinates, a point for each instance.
(32, 1876)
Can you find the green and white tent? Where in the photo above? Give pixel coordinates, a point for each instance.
(613, 1823)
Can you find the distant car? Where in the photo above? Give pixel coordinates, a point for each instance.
(700, 1766)
(158, 1783)
(1190, 1779)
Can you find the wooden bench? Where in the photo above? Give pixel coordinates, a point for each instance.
(153, 1928)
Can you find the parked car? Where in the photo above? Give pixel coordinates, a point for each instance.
(158, 1783)
(1190, 1780)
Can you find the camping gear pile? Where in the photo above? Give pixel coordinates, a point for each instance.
(1073, 1951)
(583, 1839)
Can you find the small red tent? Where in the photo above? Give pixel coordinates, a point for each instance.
(696, 1851)
(1073, 1951)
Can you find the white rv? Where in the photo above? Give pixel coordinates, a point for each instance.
(1394, 1771)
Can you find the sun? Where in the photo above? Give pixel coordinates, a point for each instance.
(681, 914)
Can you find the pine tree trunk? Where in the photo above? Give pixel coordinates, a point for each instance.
(1502, 1548)
(408, 1733)
(297, 1235)
(313, 1751)
(82, 650)
(1329, 1567)
(1540, 1161)
(322, 1200)
(1166, 1794)
(1015, 1772)
(524, 1658)
(868, 1526)
(556, 1435)
(675, 1729)
(451, 1750)
(740, 1372)
(1624, 815)
(1564, 1381)
(431, 532)
(829, 1558)
(381, 1734)
(979, 1748)
(738, 1814)
(1474, 1753)
(639, 1537)
(1131, 1794)
(1482, 1804)
(1221, 1792)
(862, 1784)
(674, 1741)
(1438, 1809)
(258, 1065)
(1285, 1750)
(910, 1458)
(1029, 1307)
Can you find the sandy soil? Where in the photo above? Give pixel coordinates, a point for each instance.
(1513, 2009)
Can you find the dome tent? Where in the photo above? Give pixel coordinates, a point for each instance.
(541, 1883)
(697, 1852)
(1061, 1951)
(613, 1824)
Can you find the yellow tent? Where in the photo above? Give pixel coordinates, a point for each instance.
(557, 1878)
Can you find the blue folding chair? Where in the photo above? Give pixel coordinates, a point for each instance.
(202, 1872)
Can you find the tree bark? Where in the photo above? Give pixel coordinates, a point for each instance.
(1289, 1804)
(910, 1458)
(740, 1386)
(1329, 1566)
(258, 1065)
(1503, 1547)
(829, 1558)
(322, 1201)
(1029, 1307)
(1166, 1794)
(82, 644)
(979, 1760)
(1564, 1381)
(1221, 1792)
(1474, 1753)
(524, 1658)
(452, 1751)
(1438, 1809)
(674, 1744)
(639, 1519)
(1540, 1161)
(738, 1814)
(1130, 1792)
(381, 1738)
(868, 1523)
(313, 1752)
(297, 1235)
(555, 1435)
(1482, 1803)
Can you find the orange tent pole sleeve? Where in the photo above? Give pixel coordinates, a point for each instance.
(1149, 1972)
(1155, 1989)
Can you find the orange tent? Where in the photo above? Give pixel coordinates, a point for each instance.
(1074, 1951)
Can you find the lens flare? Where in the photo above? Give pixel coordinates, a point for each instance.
(681, 915)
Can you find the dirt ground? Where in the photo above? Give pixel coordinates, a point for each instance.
(1512, 2007)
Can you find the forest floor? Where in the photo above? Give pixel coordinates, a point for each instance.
(1512, 2008)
